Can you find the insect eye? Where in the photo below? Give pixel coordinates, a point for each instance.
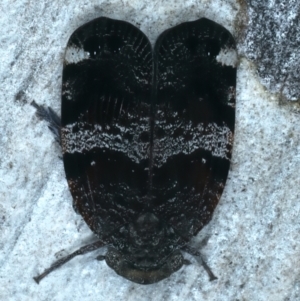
(176, 261)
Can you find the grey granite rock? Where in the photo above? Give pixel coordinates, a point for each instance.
(252, 243)
(273, 42)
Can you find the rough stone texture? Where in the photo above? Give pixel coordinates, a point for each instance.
(273, 42)
(252, 243)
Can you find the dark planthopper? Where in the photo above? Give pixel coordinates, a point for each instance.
(146, 137)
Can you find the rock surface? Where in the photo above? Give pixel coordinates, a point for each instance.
(252, 243)
(272, 41)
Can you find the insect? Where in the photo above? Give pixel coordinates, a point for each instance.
(146, 136)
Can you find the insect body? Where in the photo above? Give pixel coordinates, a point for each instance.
(146, 137)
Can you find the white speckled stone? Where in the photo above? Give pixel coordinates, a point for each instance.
(253, 242)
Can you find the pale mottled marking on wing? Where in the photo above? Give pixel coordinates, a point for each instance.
(75, 55)
(112, 137)
(227, 57)
(215, 138)
(231, 91)
(67, 91)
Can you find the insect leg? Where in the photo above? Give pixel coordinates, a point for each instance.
(194, 252)
(51, 117)
(83, 250)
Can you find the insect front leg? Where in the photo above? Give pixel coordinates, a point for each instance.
(83, 250)
(194, 252)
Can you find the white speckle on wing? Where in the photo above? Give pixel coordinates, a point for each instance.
(114, 138)
(212, 137)
(227, 57)
(75, 55)
(215, 138)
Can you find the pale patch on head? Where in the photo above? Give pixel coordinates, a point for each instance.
(227, 57)
(74, 55)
